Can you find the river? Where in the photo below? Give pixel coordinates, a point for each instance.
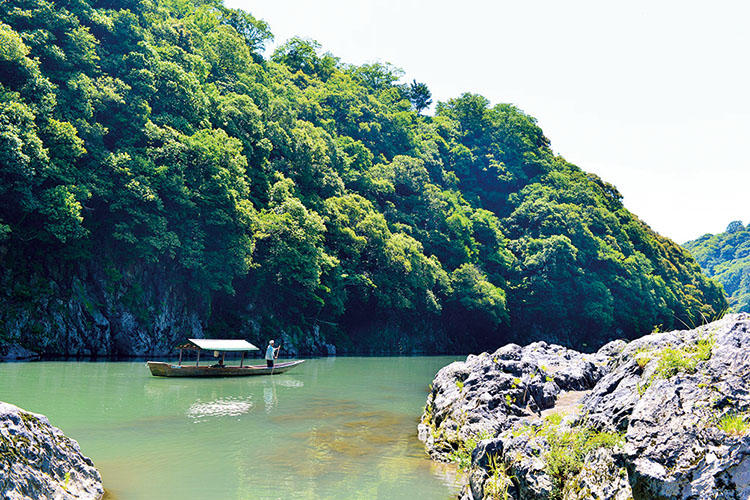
(332, 428)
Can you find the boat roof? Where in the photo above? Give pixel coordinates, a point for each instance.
(219, 345)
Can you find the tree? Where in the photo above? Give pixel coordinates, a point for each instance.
(419, 95)
(254, 31)
(302, 55)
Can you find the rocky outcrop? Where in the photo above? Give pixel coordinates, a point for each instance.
(666, 416)
(38, 461)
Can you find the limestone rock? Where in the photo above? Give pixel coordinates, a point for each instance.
(96, 310)
(666, 416)
(38, 461)
(488, 393)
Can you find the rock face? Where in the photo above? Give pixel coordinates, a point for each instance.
(100, 311)
(666, 416)
(38, 461)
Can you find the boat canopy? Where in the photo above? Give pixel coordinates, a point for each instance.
(218, 345)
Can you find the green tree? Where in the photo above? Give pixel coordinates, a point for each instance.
(420, 96)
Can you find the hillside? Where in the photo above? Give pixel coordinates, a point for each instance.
(160, 178)
(726, 258)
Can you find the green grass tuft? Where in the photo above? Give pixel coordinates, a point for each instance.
(462, 455)
(568, 449)
(734, 424)
(498, 484)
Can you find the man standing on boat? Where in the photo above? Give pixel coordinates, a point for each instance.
(271, 353)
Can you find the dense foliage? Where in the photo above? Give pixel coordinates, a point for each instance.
(726, 258)
(300, 193)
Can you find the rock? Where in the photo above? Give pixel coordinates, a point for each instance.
(666, 416)
(603, 477)
(15, 352)
(488, 393)
(38, 461)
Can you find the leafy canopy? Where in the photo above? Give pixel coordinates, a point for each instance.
(302, 194)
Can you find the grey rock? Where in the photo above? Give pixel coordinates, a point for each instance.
(488, 393)
(38, 461)
(665, 394)
(603, 477)
(15, 352)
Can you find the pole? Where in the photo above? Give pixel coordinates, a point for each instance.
(242, 359)
(199, 358)
(274, 359)
(180, 362)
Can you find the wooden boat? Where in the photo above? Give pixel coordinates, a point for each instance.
(161, 369)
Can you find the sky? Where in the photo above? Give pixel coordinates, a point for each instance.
(652, 96)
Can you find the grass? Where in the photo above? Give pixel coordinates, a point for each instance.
(673, 360)
(568, 449)
(497, 485)
(734, 424)
(553, 419)
(460, 385)
(462, 456)
(643, 356)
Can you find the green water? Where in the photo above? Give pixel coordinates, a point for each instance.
(331, 428)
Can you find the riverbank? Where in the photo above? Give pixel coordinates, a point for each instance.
(664, 416)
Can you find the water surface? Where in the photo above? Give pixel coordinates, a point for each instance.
(336, 428)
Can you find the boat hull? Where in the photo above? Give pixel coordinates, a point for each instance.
(161, 369)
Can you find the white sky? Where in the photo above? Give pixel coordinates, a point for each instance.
(653, 96)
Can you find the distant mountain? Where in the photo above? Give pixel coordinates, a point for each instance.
(726, 257)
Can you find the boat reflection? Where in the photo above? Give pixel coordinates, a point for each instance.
(289, 382)
(222, 407)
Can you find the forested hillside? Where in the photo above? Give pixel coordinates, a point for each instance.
(159, 178)
(726, 258)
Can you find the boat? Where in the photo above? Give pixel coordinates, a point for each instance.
(162, 369)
